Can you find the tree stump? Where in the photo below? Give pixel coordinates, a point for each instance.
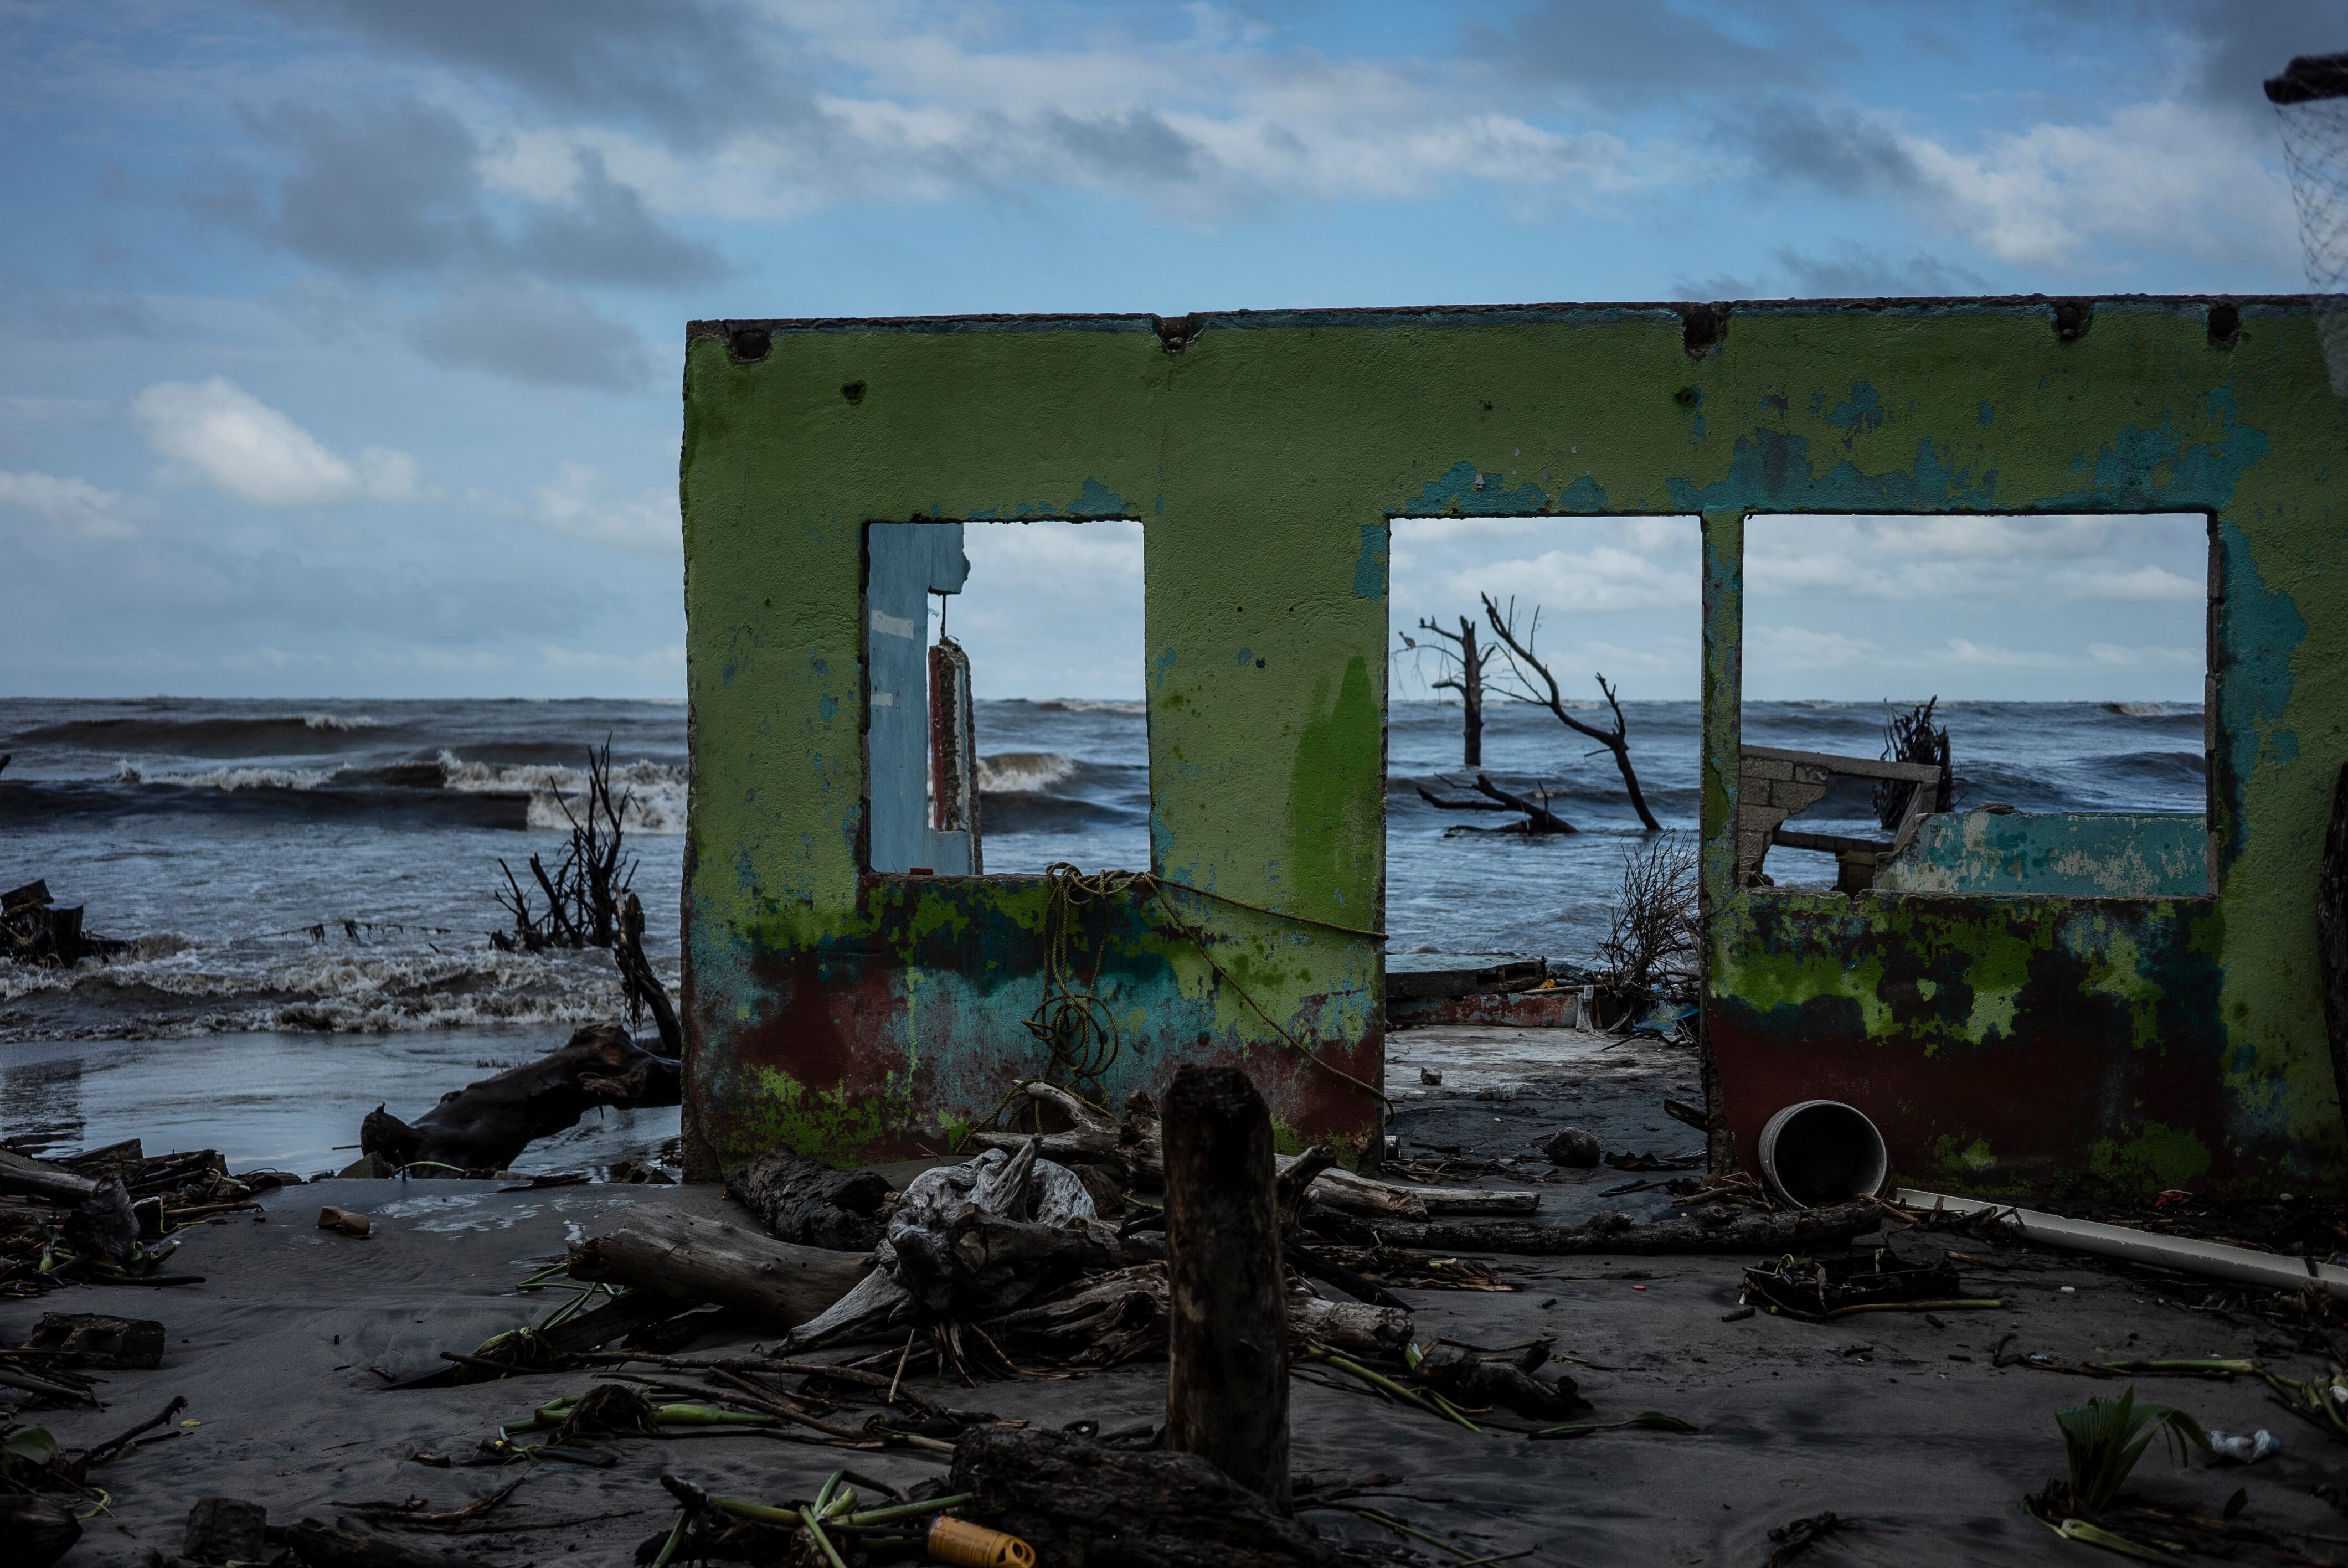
(1227, 1378)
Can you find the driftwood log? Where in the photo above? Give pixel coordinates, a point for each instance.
(814, 1204)
(694, 1259)
(1084, 1505)
(1111, 1318)
(1744, 1230)
(484, 1126)
(1334, 1189)
(42, 1529)
(1133, 1147)
(1227, 1351)
(102, 1223)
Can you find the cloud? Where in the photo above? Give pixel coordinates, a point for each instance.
(2165, 178)
(527, 332)
(402, 186)
(580, 503)
(1560, 581)
(688, 68)
(76, 504)
(1800, 647)
(252, 451)
(1631, 55)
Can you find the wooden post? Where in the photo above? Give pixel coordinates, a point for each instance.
(2332, 935)
(1227, 1377)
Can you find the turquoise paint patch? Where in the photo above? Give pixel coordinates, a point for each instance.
(1098, 500)
(1770, 471)
(1862, 413)
(829, 708)
(1370, 566)
(1584, 495)
(1465, 488)
(1988, 415)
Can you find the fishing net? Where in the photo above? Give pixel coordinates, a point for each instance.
(2311, 100)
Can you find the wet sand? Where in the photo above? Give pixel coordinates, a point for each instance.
(1902, 1428)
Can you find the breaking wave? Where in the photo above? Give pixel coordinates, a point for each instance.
(1024, 773)
(655, 792)
(168, 986)
(214, 735)
(1093, 705)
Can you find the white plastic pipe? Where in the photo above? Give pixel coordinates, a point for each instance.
(2215, 1259)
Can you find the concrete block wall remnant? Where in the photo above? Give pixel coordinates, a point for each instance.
(2002, 1043)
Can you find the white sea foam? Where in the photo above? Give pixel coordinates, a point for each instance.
(168, 988)
(340, 721)
(229, 778)
(1095, 705)
(1022, 773)
(655, 792)
(2147, 710)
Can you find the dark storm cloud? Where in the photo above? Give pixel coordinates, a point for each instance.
(1845, 271)
(533, 333)
(1838, 151)
(2236, 44)
(605, 235)
(1136, 145)
(691, 70)
(1628, 53)
(396, 187)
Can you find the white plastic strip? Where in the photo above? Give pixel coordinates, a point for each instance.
(2206, 1257)
(895, 626)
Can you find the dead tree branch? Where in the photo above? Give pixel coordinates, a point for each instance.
(584, 890)
(1516, 653)
(1462, 666)
(1654, 942)
(1911, 737)
(1539, 818)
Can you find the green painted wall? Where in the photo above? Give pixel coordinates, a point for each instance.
(851, 1014)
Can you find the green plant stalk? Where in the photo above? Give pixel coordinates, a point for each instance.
(1419, 1397)
(668, 1547)
(823, 1541)
(908, 1510)
(2113, 1540)
(1652, 1420)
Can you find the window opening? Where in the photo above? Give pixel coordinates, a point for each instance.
(1033, 718)
(1976, 704)
(1512, 840)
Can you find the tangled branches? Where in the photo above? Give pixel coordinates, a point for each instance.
(585, 890)
(1913, 737)
(1654, 941)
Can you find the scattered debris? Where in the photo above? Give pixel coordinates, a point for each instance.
(33, 930)
(2243, 1448)
(1572, 1146)
(806, 1200)
(1798, 1537)
(350, 1222)
(1880, 1281)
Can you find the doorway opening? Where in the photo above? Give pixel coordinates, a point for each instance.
(1542, 730)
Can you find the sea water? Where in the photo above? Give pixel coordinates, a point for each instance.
(310, 886)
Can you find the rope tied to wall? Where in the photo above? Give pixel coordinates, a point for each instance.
(1072, 1021)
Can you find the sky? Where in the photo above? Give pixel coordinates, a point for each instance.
(339, 342)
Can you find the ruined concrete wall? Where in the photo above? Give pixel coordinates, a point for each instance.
(1998, 1040)
(2086, 855)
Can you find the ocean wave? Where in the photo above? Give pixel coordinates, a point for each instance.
(656, 792)
(2154, 710)
(229, 778)
(1093, 705)
(187, 991)
(270, 735)
(1024, 773)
